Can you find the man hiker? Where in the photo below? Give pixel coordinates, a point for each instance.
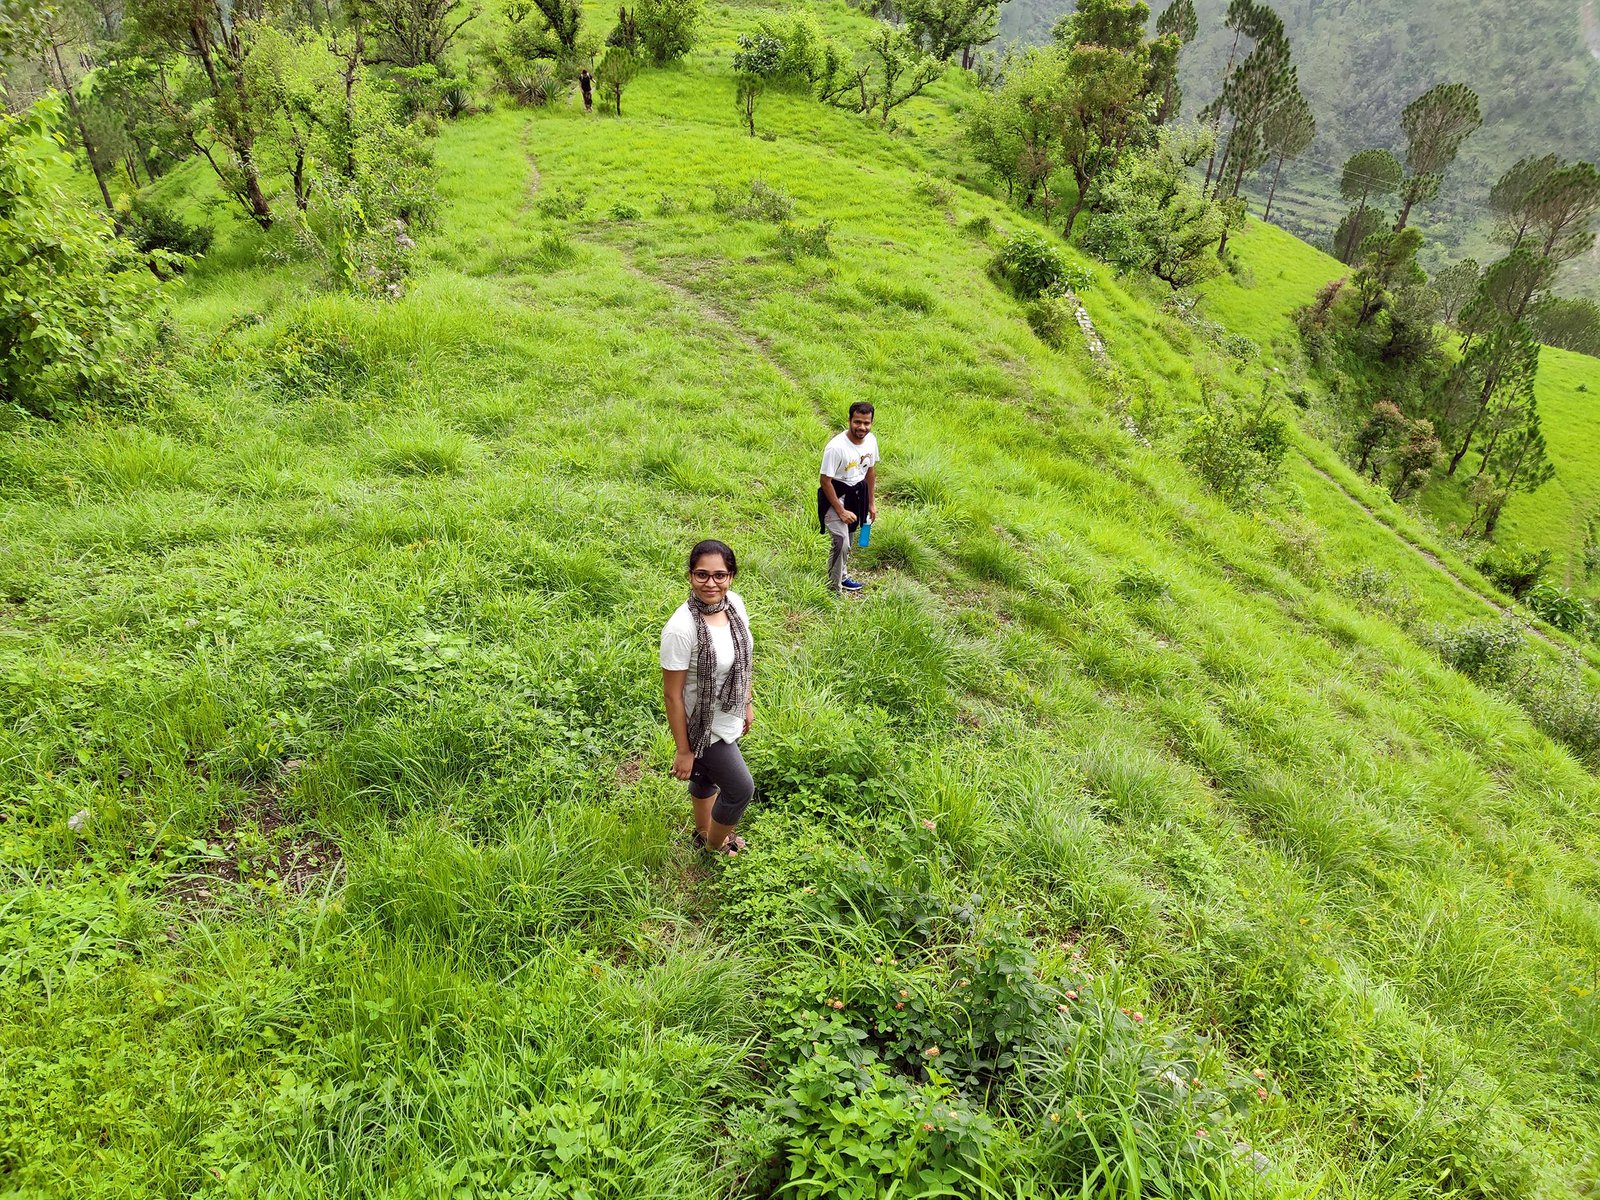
(586, 86)
(848, 491)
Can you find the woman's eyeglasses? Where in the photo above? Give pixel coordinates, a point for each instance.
(710, 576)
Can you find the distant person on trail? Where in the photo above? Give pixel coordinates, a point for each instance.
(586, 86)
(848, 491)
(705, 675)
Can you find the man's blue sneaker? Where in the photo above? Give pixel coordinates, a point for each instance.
(852, 585)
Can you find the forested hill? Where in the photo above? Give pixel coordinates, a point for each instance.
(1361, 61)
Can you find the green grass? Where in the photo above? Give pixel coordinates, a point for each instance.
(349, 656)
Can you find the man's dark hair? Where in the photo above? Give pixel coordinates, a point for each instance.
(862, 406)
(711, 546)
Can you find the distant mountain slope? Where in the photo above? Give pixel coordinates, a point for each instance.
(1533, 65)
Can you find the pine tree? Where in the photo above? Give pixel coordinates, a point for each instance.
(1367, 173)
(1436, 123)
(1511, 199)
(1562, 209)
(1176, 27)
(1287, 133)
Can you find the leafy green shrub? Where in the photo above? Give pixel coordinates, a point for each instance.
(1558, 606)
(532, 84)
(1030, 264)
(1562, 704)
(1141, 584)
(1053, 318)
(151, 227)
(78, 304)
(804, 241)
(756, 201)
(1238, 448)
(667, 28)
(859, 1132)
(1514, 572)
(1486, 651)
(562, 204)
(622, 210)
(425, 90)
(311, 358)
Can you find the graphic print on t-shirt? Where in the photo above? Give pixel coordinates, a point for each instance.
(848, 462)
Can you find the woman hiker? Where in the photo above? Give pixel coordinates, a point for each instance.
(705, 675)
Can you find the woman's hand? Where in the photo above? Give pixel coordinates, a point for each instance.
(749, 715)
(683, 764)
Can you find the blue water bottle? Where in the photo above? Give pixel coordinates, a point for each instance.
(866, 532)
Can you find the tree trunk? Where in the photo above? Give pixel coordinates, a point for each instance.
(1355, 228)
(1216, 119)
(83, 127)
(1273, 190)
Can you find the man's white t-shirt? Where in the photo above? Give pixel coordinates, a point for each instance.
(842, 459)
(677, 654)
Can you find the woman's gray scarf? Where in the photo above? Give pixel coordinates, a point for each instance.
(735, 689)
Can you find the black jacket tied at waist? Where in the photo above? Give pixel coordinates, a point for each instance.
(852, 495)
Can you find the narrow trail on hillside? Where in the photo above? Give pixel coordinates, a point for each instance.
(1433, 560)
(534, 178)
(723, 320)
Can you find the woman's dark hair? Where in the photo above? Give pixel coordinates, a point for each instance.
(712, 546)
(862, 406)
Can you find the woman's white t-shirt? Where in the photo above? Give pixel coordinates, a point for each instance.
(677, 654)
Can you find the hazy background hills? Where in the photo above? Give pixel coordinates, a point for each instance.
(1535, 66)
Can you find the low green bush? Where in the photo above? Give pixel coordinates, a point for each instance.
(1030, 264)
(804, 241)
(755, 201)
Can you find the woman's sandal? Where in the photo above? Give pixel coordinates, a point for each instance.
(732, 846)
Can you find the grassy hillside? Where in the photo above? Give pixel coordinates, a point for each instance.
(1111, 830)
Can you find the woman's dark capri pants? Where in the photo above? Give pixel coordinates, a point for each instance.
(721, 770)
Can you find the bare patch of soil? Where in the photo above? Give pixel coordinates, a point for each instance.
(258, 845)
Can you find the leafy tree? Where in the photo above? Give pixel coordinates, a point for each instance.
(1013, 129)
(667, 27)
(613, 73)
(1109, 24)
(1153, 217)
(1287, 133)
(215, 107)
(1389, 262)
(411, 33)
(64, 27)
(1177, 26)
(1511, 199)
(1415, 458)
(21, 29)
(1563, 208)
(1496, 365)
(1381, 432)
(1367, 173)
(897, 69)
(1570, 323)
(76, 301)
(1436, 123)
(563, 19)
(1354, 229)
(1099, 113)
(943, 27)
(1455, 286)
(756, 64)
